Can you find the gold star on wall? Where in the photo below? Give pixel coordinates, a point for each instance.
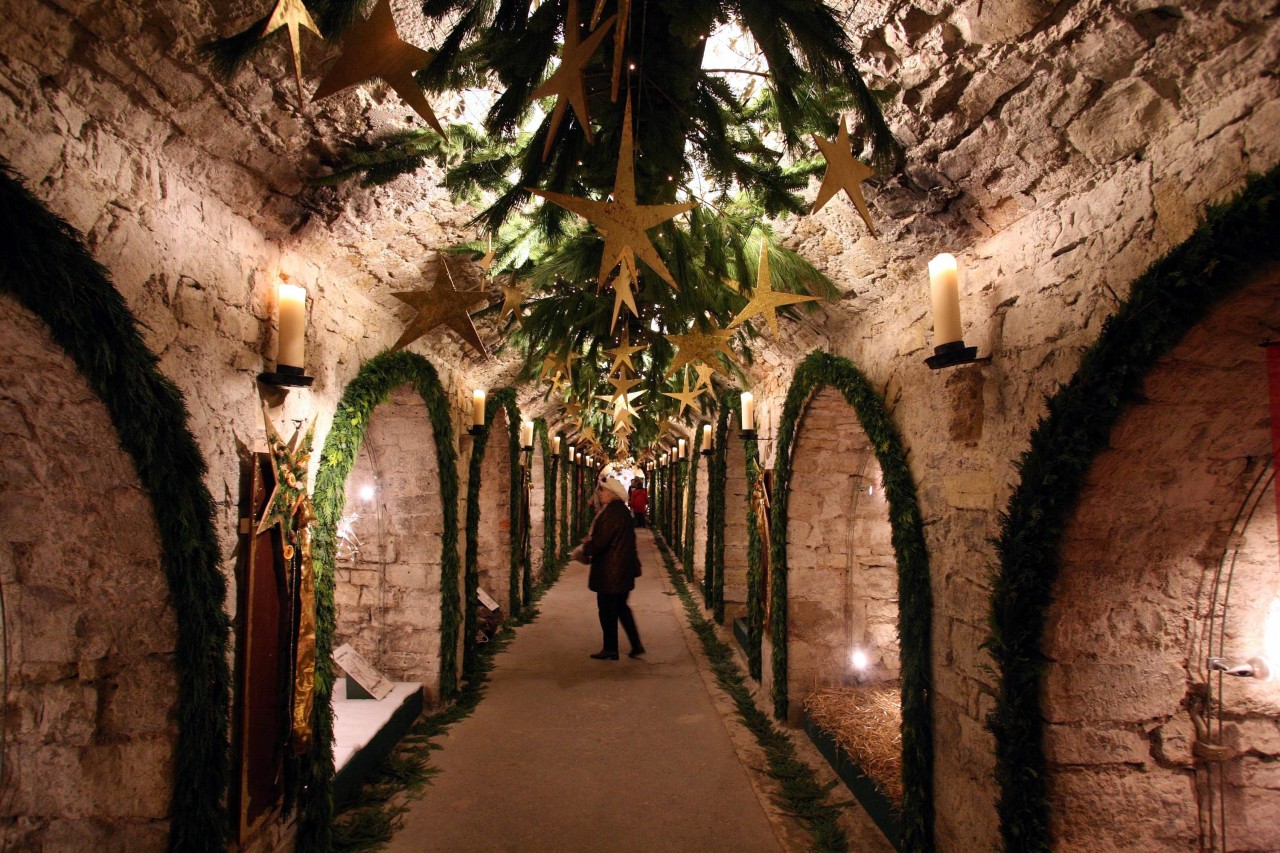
(292, 14)
(701, 346)
(622, 353)
(566, 82)
(765, 300)
(373, 48)
(687, 397)
(289, 463)
(844, 172)
(442, 305)
(622, 221)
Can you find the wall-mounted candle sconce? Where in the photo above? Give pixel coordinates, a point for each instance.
(292, 344)
(948, 339)
(555, 445)
(1252, 668)
(477, 412)
(748, 431)
(680, 450)
(526, 436)
(708, 440)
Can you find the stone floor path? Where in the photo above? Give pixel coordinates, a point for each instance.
(566, 753)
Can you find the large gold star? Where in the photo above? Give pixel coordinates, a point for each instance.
(687, 397)
(622, 221)
(373, 48)
(701, 346)
(442, 305)
(292, 14)
(844, 172)
(289, 465)
(566, 82)
(512, 298)
(765, 300)
(621, 354)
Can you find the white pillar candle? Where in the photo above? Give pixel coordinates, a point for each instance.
(555, 445)
(707, 437)
(293, 326)
(748, 411)
(680, 450)
(572, 451)
(944, 285)
(526, 433)
(477, 408)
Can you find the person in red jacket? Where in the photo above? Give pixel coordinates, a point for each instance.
(638, 500)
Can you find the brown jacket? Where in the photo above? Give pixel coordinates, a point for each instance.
(611, 548)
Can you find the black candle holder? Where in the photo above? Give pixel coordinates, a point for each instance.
(707, 451)
(954, 353)
(747, 435)
(288, 376)
(476, 430)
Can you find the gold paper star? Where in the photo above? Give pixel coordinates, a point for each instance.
(486, 262)
(687, 397)
(622, 294)
(619, 43)
(765, 300)
(627, 403)
(373, 48)
(623, 222)
(566, 82)
(442, 305)
(573, 409)
(844, 172)
(512, 298)
(292, 14)
(701, 346)
(705, 372)
(622, 353)
(622, 386)
(289, 465)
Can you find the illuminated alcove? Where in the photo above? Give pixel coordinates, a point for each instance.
(493, 534)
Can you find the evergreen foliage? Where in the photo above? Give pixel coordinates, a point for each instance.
(915, 607)
(1164, 304)
(370, 388)
(49, 270)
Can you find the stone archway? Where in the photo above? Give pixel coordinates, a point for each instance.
(387, 589)
(842, 585)
(493, 533)
(1174, 511)
(89, 630)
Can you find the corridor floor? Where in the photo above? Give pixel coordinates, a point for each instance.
(566, 753)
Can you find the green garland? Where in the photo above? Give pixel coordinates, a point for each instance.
(55, 277)
(370, 388)
(1168, 300)
(566, 513)
(801, 794)
(550, 468)
(504, 398)
(691, 511)
(915, 606)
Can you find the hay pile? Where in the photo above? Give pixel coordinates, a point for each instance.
(867, 723)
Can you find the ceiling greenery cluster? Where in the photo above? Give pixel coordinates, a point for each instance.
(633, 210)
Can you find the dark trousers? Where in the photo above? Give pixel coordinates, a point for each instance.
(614, 609)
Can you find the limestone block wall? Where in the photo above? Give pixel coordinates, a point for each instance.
(494, 532)
(700, 521)
(88, 633)
(842, 576)
(1135, 606)
(388, 600)
(736, 505)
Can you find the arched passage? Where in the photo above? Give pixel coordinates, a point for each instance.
(56, 279)
(1233, 248)
(875, 439)
(387, 588)
(1142, 594)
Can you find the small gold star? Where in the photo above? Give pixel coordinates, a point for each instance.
(442, 305)
(622, 353)
(687, 397)
(844, 172)
(765, 300)
(513, 296)
(486, 262)
(705, 372)
(622, 386)
(701, 346)
(566, 82)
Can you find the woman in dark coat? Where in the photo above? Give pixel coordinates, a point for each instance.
(611, 550)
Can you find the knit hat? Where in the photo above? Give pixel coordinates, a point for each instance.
(615, 488)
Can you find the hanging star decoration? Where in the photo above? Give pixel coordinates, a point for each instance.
(765, 300)
(705, 372)
(622, 386)
(687, 396)
(373, 48)
(567, 83)
(486, 262)
(622, 292)
(844, 172)
(513, 297)
(292, 14)
(701, 346)
(442, 305)
(622, 353)
(622, 221)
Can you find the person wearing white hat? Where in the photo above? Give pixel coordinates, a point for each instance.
(611, 550)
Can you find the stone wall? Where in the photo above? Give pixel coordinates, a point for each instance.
(537, 514)
(90, 699)
(1134, 607)
(842, 589)
(700, 522)
(494, 532)
(388, 597)
(735, 526)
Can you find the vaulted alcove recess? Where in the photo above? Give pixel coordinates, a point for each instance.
(89, 634)
(537, 512)
(387, 586)
(1147, 748)
(842, 585)
(494, 532)
(700, 520)
(736, 507)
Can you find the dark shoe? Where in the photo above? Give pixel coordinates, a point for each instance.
(636, 652)
(602, 655)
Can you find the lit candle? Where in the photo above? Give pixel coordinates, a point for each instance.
(572, 452)
(477, 408)
(748, 411)
(555, 445)
(293, 326)
(680, 449)
(707, 437)
(944, 285)
(526, 433)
